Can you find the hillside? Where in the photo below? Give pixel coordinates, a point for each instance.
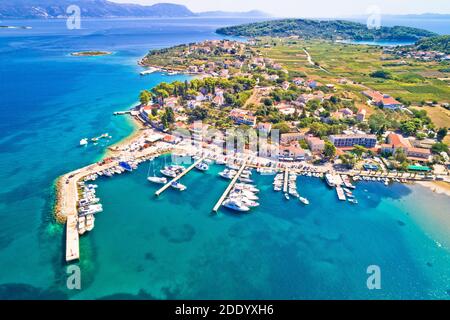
(438, 43)
(325, 29)
(89, 8)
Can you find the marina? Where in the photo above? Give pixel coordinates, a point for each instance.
(178, 177)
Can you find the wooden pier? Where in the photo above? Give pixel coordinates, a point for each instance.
(230, 186)
(167, 185)
(285, 181)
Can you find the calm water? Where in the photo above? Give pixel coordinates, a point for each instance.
(172, 247)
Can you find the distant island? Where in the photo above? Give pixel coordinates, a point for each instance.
(324, 29)
(90, 53)
(54, 9)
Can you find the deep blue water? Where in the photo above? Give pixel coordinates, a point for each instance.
(172, 247)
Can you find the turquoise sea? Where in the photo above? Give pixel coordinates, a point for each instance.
(173, 247)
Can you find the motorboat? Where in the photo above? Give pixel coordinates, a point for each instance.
(81, 225)
(286, 196)
(303, 200)
(235, 204)
(227, 174)
(246, 201)
(244, 186)
(169, 173)
(178, 186)
(247, 180)
(84, 142)
(202, 166)
(159, 180)
(246, 194)
(90, 222)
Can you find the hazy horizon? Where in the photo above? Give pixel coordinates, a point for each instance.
(302, 8)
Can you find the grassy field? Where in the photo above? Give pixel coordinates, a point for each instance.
(414, 81)
(439, 116)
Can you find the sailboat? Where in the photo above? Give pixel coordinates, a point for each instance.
(154, 178)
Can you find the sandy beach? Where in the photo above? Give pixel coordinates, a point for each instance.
(440, 187)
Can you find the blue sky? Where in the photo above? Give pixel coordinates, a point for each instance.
(310, 8)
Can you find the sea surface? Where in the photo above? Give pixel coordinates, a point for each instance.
(172, 246)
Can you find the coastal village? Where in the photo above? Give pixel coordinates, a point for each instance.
(324, 131)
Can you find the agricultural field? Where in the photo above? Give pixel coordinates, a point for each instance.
(412, 80)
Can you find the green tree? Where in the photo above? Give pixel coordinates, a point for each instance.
(329, 150)
(441, 134)
(145, 97)
(359, 150)
(439, 147)
(400, 155)
(283, 127)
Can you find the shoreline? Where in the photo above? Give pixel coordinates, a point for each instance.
(438, 187)
(138, 126)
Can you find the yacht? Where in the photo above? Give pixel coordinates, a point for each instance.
(81, 225)
(233, 166)
(329, 178)
(202, 166)
(246, 201)
(90, 222)
(160, 180)
(236, 205)
(169, 173)
(247, 180)
(246, 194)
(84, 142)
(303, 200)
(248, 187)
(148, 71)
(227, 174)
(178, 186)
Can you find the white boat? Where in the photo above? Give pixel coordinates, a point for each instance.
(90, 222)
(235, 204)
(178, 186)
(293, 193)
(246, 194)
(277, 188)
(303, 200)
(168, 173)
(227, 174)
(160, 180)
(148, 71)
(202, 166)
(84, 142)
(354, 201)
(81, 225)
(247, 180)
(248, 187)
(286, 196)
(329, 178)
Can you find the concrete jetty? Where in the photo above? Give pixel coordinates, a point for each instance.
(230, 186)
(167, 185)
